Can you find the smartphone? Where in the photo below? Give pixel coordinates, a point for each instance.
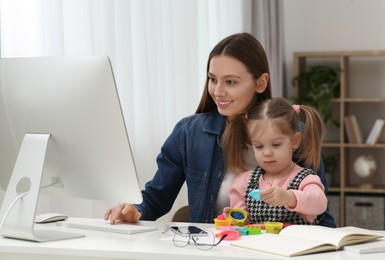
(186, 231)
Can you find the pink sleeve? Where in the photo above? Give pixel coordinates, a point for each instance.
(237, 190)
(311, 198)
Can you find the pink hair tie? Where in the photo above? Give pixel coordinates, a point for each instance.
(296, 108)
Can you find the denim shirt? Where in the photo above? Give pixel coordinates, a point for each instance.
(193, 154)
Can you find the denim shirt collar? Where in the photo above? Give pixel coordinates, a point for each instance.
(215, 123)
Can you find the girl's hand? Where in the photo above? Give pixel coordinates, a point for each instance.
(277, 196)
(226, 212)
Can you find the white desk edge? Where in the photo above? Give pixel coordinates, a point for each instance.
(149, 245)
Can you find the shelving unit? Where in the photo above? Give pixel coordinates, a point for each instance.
(362, 93)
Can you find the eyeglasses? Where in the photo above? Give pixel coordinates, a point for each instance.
(205, 240)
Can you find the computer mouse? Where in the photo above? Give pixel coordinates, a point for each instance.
(50, 217)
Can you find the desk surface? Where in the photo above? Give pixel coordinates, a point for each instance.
(149, 245)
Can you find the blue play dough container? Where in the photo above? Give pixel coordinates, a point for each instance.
(238, 216)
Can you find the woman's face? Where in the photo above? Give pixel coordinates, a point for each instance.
(231, 86)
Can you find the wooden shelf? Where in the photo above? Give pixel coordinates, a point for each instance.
(349, 145)
(354, 98)
(333, 54)
(355, 190)
(362, 100)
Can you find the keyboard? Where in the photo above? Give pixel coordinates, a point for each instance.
(105, 226)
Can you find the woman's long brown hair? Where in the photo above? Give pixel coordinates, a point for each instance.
(248, 50)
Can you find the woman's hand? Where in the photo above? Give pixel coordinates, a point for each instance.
(279, 196)
(123, 212)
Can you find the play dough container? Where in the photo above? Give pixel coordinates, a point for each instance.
(273, 227)
(238, 216)
(222, 222)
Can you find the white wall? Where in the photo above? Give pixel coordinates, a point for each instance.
(313, 25)
(332, 25)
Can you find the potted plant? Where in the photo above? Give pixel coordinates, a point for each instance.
(316, 87)
(330, 166)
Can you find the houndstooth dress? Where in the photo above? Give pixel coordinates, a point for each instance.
(261, 212)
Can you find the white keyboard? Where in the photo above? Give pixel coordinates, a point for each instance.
(105, 226)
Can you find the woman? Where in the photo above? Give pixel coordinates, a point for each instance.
(237, 79)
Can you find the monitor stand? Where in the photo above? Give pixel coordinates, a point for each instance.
(17, 214)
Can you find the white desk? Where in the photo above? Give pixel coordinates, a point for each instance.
(100, 245)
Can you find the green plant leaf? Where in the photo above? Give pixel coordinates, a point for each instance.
(316, 87)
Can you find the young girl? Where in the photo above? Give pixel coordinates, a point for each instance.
(289, 193)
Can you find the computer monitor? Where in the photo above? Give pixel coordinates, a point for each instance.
(60, 121)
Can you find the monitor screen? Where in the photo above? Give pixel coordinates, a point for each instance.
(67, 111)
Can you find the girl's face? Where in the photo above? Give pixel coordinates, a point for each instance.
(231, 86)
(273, 150)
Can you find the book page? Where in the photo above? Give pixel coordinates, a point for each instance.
(283, 245)
(335, 236)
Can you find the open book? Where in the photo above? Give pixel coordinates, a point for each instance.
(297, 240)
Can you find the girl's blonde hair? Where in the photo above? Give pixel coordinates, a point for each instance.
(287, 118)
